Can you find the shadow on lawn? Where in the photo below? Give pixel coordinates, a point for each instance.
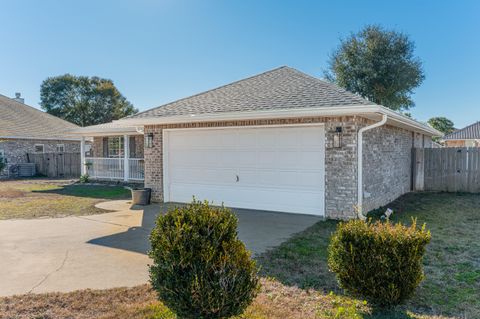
(302, 260)
(89, 191)
(389, 314)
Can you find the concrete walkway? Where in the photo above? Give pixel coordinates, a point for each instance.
(107, 250)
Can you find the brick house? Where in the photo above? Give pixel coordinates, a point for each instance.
(280, 141)
(24, 129)
(468, 136)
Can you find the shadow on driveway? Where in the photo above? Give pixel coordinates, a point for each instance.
(259, 230)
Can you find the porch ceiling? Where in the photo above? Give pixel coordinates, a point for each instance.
(108, 129)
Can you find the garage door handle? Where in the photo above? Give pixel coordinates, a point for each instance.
(238, 178)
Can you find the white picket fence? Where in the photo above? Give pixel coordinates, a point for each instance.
(113, 168)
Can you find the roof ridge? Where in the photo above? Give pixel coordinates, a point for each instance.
(37, 110)
(214, 89)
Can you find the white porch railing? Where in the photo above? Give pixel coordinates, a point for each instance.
(136, 169)
(113, 168)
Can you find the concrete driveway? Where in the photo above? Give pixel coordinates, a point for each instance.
(107, 250)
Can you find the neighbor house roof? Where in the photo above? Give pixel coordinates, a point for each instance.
(470, 132)
(18, 120)
(280, 93)
(281, 88)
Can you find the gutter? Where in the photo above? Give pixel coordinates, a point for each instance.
(342, 110)
(131, 124)
(39, 138)
(360, 163)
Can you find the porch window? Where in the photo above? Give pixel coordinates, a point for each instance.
(115, 146)
(149, 140)
(60, 148)
(38, 148)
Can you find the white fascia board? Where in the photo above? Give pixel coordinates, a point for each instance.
(410, 122)
(252, 115)
(287, 113)
(41, 138)
(106, 131)
(130, 124)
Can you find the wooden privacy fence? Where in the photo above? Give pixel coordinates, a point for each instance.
(447, 169)
(56, 164)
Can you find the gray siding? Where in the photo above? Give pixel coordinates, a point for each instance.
(16, 149)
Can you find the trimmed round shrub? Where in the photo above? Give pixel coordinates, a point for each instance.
(200, 267)
(381, 262)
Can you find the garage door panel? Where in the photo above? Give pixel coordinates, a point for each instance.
(310, 159)
(273, 199)
(266, 140)
(287, 179)
(280, 168)
(200, 175)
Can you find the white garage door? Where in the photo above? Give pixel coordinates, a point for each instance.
(268, 168)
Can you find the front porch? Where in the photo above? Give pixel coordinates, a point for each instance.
(114, 168)
(114, 157)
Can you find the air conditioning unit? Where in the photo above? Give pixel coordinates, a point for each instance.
(21, 170)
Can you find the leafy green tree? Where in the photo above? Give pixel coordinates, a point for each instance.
(441, 124)
(379, 65)
(84, 100)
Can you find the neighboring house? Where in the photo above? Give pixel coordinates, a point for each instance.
(436, 145)
(24, 130)
(280, 141)
(466, 137)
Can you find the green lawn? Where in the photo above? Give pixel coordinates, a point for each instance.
(47, 198)
(297, 283)
(452, 262)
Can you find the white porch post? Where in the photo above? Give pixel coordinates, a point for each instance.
(83, 167)
(126, 153)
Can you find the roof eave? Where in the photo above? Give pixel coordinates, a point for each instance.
(13, 137)
(129, 125)
(287, 113)
(90, 131)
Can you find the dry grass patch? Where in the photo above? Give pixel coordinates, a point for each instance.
(11, 193)
(276, 301)
(50, 198)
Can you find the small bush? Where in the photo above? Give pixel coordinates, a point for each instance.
(84, 178)
(344, 308)
(3, 163)
(381, 262)
(200, 268)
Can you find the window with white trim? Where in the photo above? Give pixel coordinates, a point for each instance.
(60, 148)
(38, 148)
(115, 146)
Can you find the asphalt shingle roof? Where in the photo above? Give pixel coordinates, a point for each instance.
(467, 133)
(20, 120)
(281, 88)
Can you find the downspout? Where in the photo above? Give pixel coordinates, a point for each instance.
(360, 164)
(139, 130)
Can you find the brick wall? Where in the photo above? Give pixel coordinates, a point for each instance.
(97, 146)
(16, 149)
(387, 163)
(340, 163)
(387, 160)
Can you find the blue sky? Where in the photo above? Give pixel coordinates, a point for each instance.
(159, 51)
